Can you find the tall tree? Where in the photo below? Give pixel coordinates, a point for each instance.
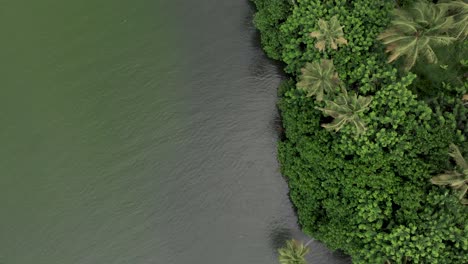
(330, 34)
(293, 253)
(416, 31)
(319, 79)
(346, 109)
(457, 179)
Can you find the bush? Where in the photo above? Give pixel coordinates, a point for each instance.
(271, 13)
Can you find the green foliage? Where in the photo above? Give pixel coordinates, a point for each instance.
(293, 253)
(371, 195)
(319, 79)
(362, 194)
(362, 21)
(271, 14)
(448, 75)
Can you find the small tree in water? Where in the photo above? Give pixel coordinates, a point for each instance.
(293, 252)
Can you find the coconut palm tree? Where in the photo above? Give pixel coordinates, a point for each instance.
(330, 34)
(319, 79)
(455, 179)
(293, 253)
(416, 31)
(346, 109)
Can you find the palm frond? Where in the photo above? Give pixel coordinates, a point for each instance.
(460, 16)
(456, 180)
(411, 57)
(447, 178)
(462, 191)
(441, 40)
(457, 156)
(315, 34)
(429, 54)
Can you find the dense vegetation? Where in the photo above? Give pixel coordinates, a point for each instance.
(375, 103)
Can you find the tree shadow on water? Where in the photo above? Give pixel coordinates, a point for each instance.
(278, 236)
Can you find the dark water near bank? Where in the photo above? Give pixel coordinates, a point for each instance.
(139, 132)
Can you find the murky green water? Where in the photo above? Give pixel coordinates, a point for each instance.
(138, 132)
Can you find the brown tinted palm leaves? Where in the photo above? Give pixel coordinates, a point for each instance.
(346, 109)
(416, 31)
(319, 79)
(456, 179)
(330, 34)
(293, 253)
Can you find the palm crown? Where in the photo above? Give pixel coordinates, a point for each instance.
(293, 253)
(455, 179)
(416, 31)
(330, 34)
(346, 109)
(319, 79)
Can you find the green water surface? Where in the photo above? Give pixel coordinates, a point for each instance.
(138, 132)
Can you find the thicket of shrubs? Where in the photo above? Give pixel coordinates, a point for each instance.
(365, 136)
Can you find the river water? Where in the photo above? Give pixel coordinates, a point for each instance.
(139, 132)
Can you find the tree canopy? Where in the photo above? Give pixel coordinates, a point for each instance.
(370, 194)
